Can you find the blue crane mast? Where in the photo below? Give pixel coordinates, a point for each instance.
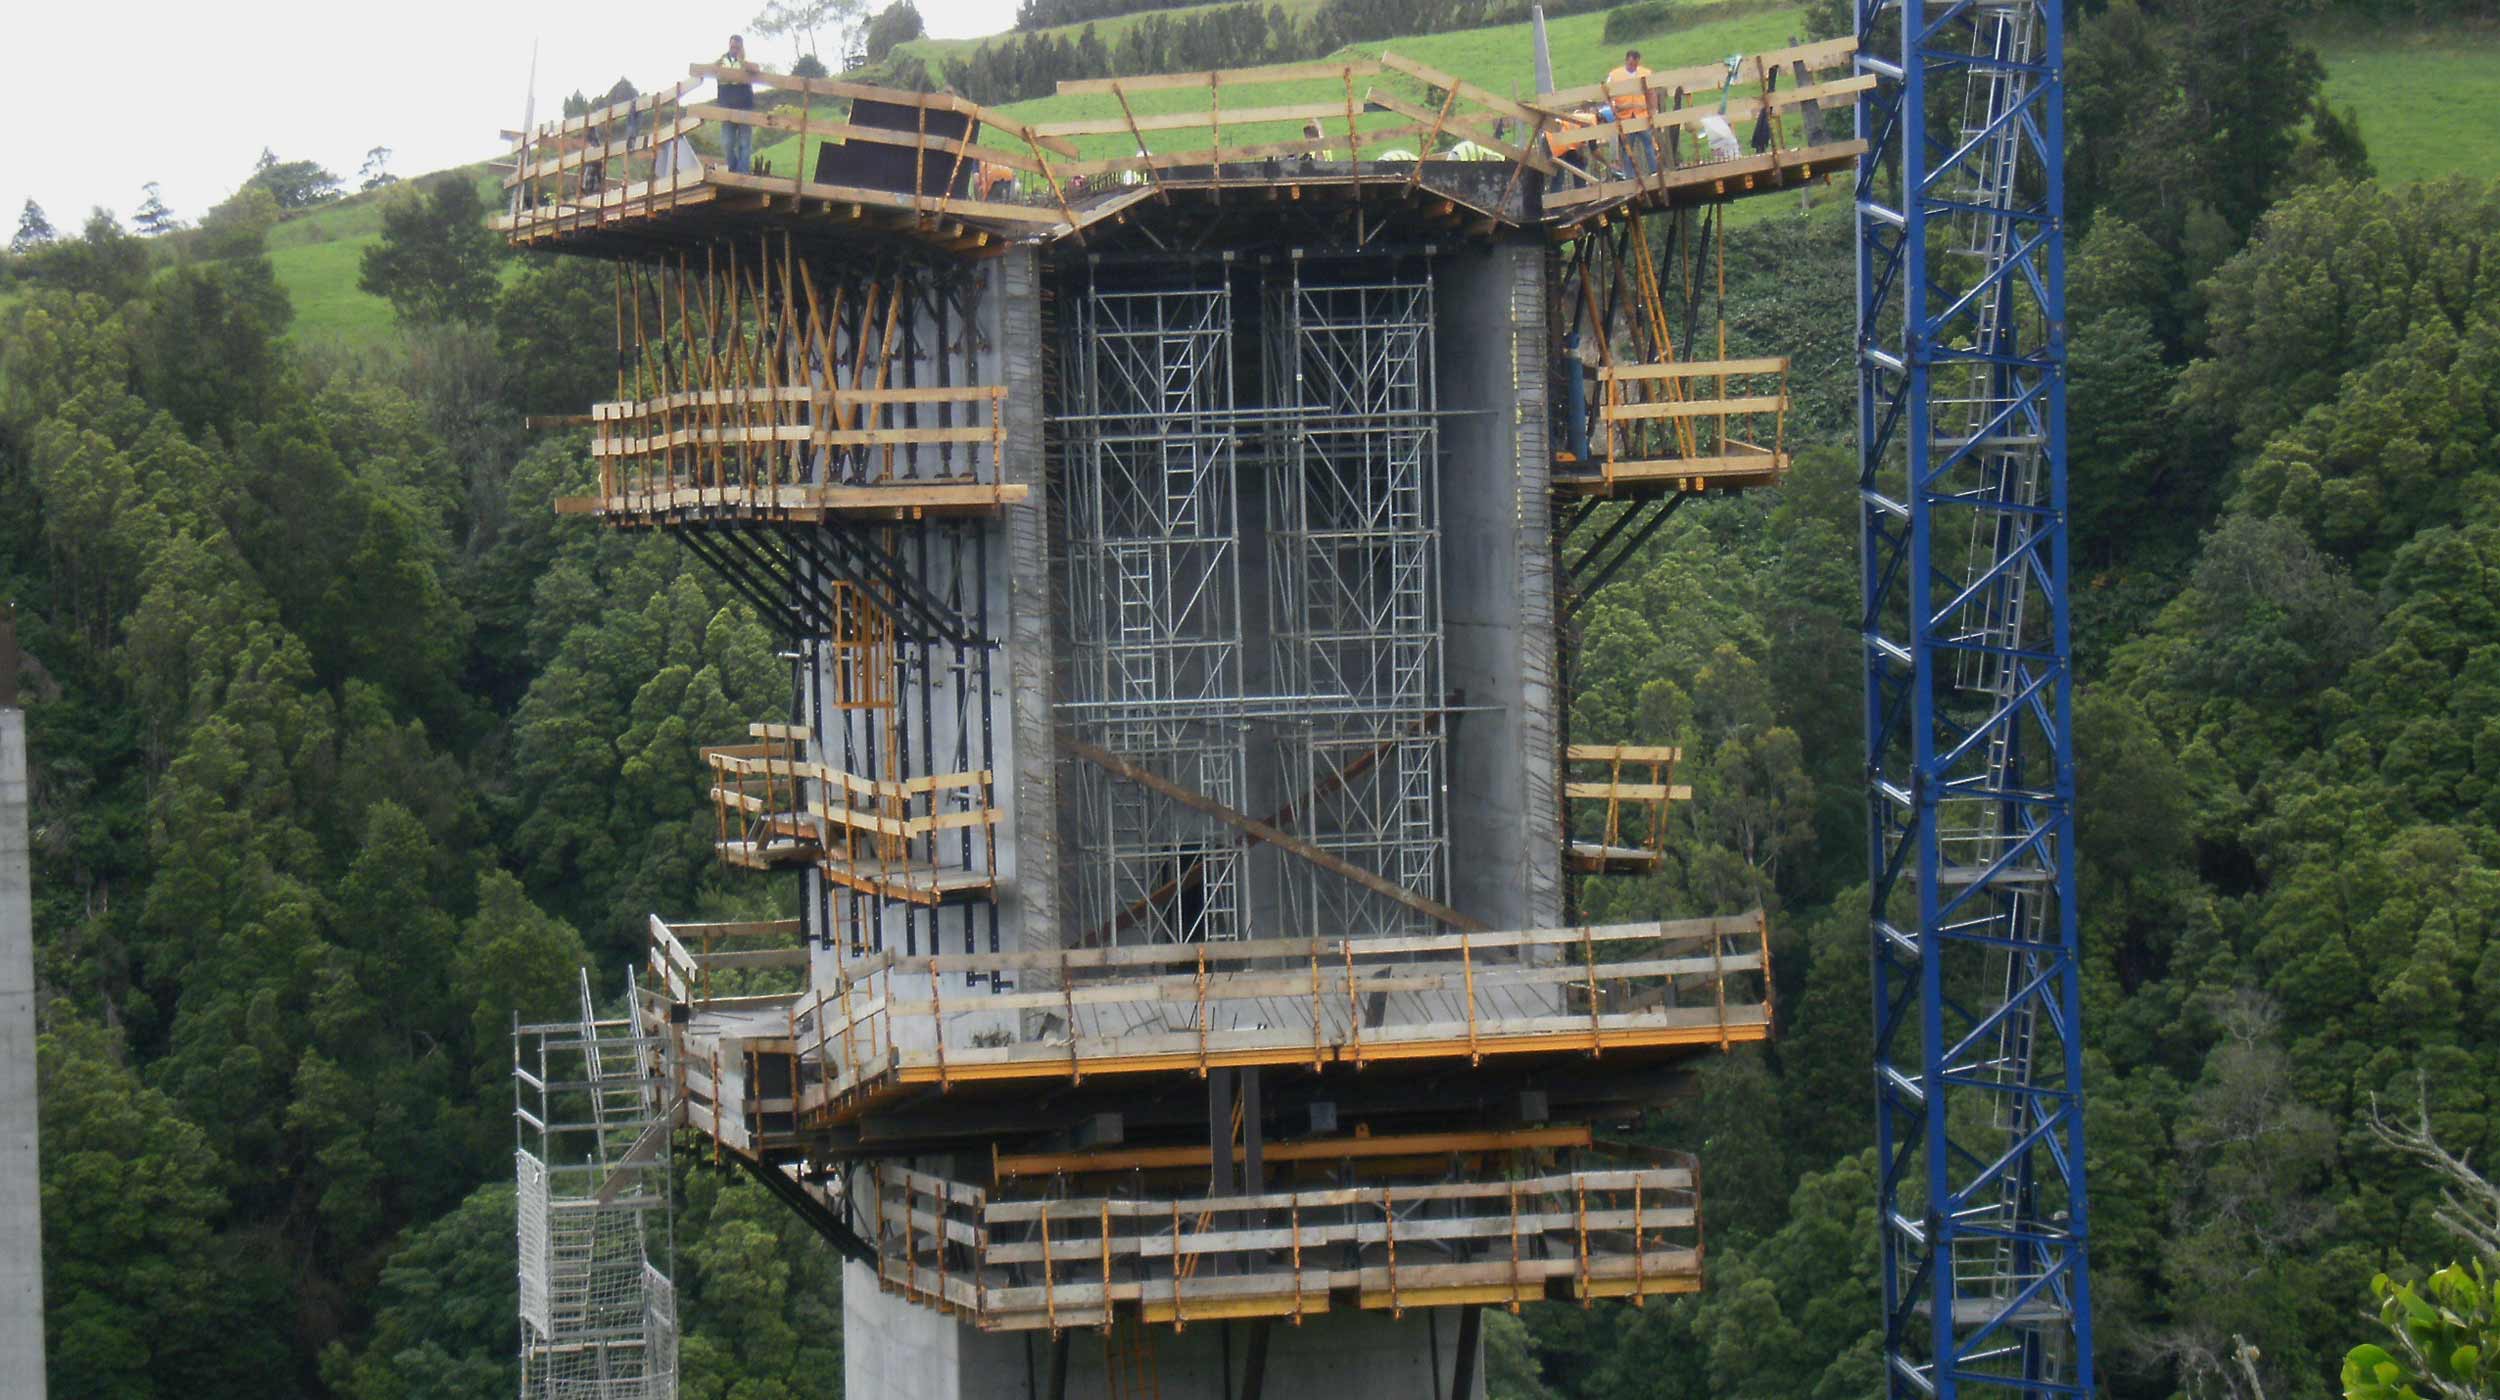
(1970, 764)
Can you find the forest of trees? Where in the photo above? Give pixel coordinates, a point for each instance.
(345, 751)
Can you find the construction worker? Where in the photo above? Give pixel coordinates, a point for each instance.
(1565, 151)
(739, 140)
(1627, 89)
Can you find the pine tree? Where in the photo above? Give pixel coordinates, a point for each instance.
(153, 217)
(33, 229)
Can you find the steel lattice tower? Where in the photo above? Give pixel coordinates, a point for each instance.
(1971, 777)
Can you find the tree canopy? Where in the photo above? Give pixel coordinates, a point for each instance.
(295, 184)
(436, 260)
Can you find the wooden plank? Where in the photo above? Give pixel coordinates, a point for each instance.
(1829, 53)
(694, 190)
(615, 111)
(1319, 1235)
(1665, 930)
(752, 958)
(1532, 156)
(1696, 369)
(1089, 1209)
(1252, 826)
(1628, 792)
(1232, 77)
(1206, 155)
(611, 150)
(1695, 408)
(1627, 753)
(621, 411)
(1448, 82)
(1833, 154)
(882, 199)
(1686, 468)
(644, 446)
(1365, 950)
(1186, 121)
(1739, 110)
(893, 496)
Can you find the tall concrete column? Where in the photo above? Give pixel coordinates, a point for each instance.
(21, 1195)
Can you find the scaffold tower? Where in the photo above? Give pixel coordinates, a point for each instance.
(598, 1309)
(1962, 400)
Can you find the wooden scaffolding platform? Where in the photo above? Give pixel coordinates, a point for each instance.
(1630, 816)
(1407, 138)
(854, 1036)
(1047, 1237)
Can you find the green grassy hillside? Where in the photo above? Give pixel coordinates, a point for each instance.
(1497, 58)
(2426, 98)
(316, 253)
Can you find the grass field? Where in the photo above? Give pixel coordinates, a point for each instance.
(2429, 101)
(321, 280)
(316, 257)
(1497, 58)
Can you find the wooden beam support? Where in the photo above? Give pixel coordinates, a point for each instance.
(1258, 830)
(1236, 77)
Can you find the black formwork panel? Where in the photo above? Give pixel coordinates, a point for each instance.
(879, 165)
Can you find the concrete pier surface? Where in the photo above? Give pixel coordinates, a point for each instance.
(21, 1187)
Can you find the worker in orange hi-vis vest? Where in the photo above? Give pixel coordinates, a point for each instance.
(1628, 94)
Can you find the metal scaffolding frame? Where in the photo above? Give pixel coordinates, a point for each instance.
(598, 1312)
(1354, 602)
(1340, 456)
(1977, 990)
(1153, 537)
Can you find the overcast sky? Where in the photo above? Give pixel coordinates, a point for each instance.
(187, 94)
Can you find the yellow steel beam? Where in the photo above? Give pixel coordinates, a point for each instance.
(1651, 1286)
(1222, 1309)
(1455, 1295)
